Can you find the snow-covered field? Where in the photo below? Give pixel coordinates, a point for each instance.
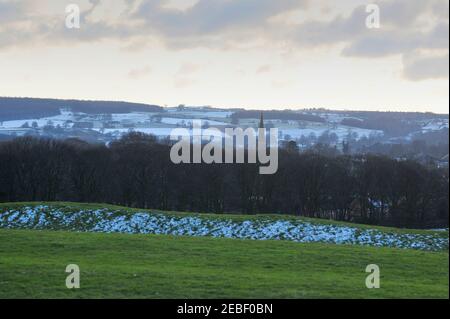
(111, 221)
(54, 120)
(135, 117)
(435, 125)
(160, 124)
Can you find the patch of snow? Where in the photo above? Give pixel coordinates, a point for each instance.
(107, 221)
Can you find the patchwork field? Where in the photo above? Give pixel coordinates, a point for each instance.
(125, 253)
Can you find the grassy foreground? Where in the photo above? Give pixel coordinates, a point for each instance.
(32, 265)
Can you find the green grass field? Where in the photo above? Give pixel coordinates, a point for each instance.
(32, 265)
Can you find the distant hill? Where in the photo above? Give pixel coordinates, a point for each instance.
(278, 115)
(30, 108)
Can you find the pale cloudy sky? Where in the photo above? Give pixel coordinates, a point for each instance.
(268, 54)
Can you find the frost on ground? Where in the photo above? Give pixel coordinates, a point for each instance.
(110, 221)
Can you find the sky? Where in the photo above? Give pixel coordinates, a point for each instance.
(255, 54)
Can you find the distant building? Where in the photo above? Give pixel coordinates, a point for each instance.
(97, 124)
(112, 124)
(66, 111)
(129, 125)
(443, 162)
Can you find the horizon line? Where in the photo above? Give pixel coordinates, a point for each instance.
(245, 108)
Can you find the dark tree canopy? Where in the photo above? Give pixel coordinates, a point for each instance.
(32, 108)
(136, 171)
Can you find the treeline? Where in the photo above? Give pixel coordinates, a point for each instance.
(392, 127)
(278, 115)
(136, 171)
(32, 108)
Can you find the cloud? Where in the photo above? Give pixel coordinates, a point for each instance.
(207, 23)
(402, 29)
(282, 84)
(183, 82)
(406, 26)
(419, 67)
(391, 42)
(188, 68)
(207, 17)
(138, 73)
(263, 69)
(405, 13)
(10, 11)
(183, 77)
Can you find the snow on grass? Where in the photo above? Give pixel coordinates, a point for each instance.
(189, 121)
(134, 117)
(41, 122)
(111, 221)
(435, 125)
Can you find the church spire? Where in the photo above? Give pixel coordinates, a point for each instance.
(261, 122)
